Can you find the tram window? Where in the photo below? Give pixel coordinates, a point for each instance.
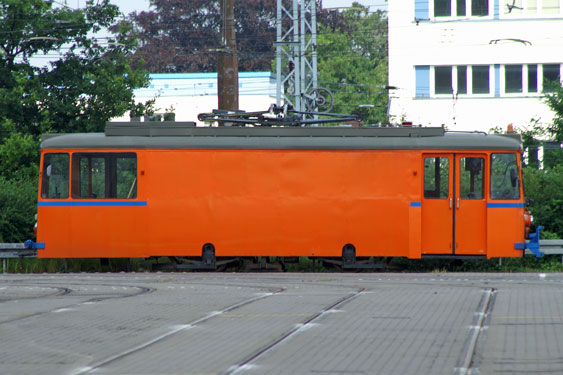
(436, 177)
(104, 175)
(505, 183)
(471, 178)
(54, 183)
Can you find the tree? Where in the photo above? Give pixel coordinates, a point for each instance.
(352, 62)
(90, 83)
(554, 100)
(184, 36)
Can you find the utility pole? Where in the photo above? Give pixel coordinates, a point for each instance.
(227, 74)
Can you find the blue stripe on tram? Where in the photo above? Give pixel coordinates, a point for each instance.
(92, 203)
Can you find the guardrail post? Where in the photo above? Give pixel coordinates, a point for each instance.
(4, 265)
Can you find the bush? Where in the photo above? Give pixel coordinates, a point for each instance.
(18, 206)
(543, 190)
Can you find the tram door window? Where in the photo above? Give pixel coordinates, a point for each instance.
(505, 181)
(436, 177)
(55, 174)
(104, 175)
(471, 178)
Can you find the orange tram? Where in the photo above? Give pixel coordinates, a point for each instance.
(209, 194)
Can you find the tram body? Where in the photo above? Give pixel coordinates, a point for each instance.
(142, 190)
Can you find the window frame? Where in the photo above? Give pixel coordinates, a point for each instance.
(111, 182)
(518, 175)
(45, 184)
(523, 9)
(454, 14)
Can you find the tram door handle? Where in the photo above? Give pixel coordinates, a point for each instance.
(450, 203)
(457, 204)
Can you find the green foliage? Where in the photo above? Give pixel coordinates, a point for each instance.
(18, 205)
(542, 188)
(89, 84)
(352, 63)
(554, 100)
(19, 156)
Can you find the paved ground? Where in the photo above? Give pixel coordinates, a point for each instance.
(202, 323)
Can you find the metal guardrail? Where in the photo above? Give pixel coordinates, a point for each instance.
(16, 250)
(550, 247)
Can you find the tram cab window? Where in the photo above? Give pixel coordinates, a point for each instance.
(505, 180)
(104, 175)
(55, 174)
(471, 178)
(436, 177)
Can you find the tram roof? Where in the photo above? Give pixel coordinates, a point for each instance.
(178, 135)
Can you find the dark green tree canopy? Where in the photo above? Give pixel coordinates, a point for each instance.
(184, 36)
(91, 82)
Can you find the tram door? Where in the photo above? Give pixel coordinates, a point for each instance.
(454, 205)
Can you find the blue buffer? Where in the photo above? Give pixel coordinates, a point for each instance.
(533, 245)
(29, 244)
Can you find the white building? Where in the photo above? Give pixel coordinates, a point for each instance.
(192, 93)
(473, 64)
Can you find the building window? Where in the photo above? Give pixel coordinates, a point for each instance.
(480, 79)
(550, 6)
(460, 8)
(479, 7)
(550, 76)
(462, 79)
(444, 8)
(98, 175)
(513, 78)
(532, 78)
(443, 80)
(532, 7)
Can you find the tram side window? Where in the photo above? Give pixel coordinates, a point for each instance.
(104, 175)
(436, 177)
(471, 178)
(54, 182)
(505, 182)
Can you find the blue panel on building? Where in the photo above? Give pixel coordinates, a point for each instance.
(422, 81)
(421, 9)
(497, 80)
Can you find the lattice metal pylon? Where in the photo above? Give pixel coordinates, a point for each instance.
(296, 55)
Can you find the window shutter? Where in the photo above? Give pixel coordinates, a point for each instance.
(422, 73)
(421, 9)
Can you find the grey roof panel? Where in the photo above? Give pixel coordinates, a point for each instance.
(349, 138)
